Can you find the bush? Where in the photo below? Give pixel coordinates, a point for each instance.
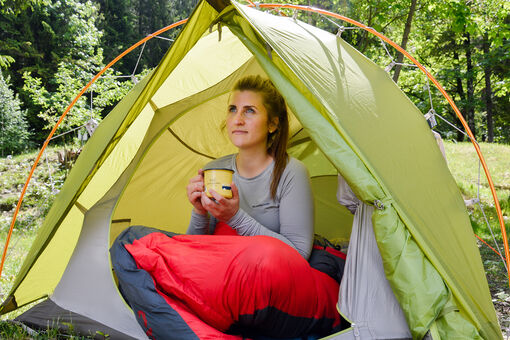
(14, 133)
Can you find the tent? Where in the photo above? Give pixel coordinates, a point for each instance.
(347, 117)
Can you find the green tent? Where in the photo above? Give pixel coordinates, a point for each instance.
(347, 117)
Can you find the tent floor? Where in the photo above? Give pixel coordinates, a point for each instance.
(47, 315)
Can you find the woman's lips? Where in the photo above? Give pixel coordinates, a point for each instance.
(235, 132)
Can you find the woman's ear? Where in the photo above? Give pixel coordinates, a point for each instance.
(273, 124)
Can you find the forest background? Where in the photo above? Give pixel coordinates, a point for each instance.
(49, 49)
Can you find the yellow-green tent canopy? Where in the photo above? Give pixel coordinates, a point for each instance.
(347, 117)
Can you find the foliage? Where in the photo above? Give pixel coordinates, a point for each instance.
(14, 133)
(124, 22)
(51, 48)
(460, 43)
(449, 38)
(16, 6)
(83, 61)
(12, 7)
(5, 61)
(16, 331)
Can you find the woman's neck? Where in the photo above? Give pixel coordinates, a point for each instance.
(251, 163)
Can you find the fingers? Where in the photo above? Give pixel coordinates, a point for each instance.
(197, 179)
(196, 184)
(219, 199)
(208, 203)
(235, 192)
(194, 190)
(221, 208)
(194, 196)
(192, 187)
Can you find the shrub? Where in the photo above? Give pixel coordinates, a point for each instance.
(14, 133)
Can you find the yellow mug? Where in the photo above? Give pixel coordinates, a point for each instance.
(219, 180)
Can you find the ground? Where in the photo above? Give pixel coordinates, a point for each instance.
(53, 168)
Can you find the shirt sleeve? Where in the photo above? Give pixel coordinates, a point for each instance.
(296, 212)
(198, 224)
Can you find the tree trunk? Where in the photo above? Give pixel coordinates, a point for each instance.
(405, 38)
(488, 89)
(140, 17)
(462, 96)
(362, 43)
(309, 13)
(470, 103)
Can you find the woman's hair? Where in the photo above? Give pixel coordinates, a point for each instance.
(275, 107)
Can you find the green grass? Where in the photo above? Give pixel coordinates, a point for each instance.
(462, 161)
(464, 165)
(47, 179)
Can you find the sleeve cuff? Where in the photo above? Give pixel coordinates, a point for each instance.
(198, 216)
(235, 220)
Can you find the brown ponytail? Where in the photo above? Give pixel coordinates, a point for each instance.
(275, 107)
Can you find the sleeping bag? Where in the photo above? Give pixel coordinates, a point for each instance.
(221, 286)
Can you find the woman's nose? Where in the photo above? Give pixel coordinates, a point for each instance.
(239, 118)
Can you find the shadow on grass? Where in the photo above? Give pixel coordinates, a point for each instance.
(17, 331)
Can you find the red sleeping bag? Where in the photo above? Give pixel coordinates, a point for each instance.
(209, 285)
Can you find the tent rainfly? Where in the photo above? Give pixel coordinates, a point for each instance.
(347, 117)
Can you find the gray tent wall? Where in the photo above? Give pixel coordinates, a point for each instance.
(366, 299)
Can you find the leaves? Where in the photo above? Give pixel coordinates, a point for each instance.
(83, 60)
(51, 49)
(5, 61)
(14, 133)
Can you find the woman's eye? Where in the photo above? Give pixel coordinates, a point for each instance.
(250, 110)
(232, 109)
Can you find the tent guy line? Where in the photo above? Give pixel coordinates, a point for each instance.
(131, 169)
(295, 7)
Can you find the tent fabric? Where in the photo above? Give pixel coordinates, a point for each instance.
(377, 115)
(347, 116)
(87, 286)
(365, 293)
(203, 285)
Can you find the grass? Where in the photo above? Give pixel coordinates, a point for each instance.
(49, 176)
(47, 179)
(465, 167)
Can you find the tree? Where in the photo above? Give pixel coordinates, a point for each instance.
(405, 37)
(12, 7)
(124, 22)
(83, 59)
(117, 21)
(14, 133)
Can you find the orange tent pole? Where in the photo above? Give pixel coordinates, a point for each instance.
(120, 56)
(488, 245)
(309, 9)
(443, 92)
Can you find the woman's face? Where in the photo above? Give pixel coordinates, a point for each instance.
(247, 120)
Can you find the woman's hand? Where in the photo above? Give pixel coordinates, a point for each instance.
(223, 209)
(194, 189)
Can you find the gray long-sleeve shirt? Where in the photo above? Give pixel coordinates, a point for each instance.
(289, 217)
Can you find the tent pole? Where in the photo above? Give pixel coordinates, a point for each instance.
(443, 92)
(302, 8)
(120, 56)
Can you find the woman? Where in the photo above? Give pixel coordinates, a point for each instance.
(210, 287)
(271, 193)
